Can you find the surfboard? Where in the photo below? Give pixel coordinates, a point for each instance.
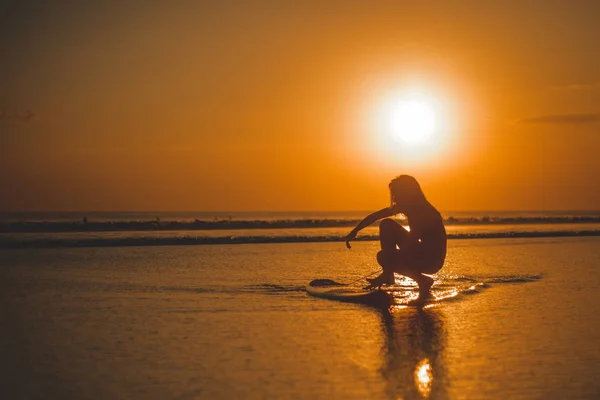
(332, 290)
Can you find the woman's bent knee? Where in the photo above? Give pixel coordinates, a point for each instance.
(391, 228)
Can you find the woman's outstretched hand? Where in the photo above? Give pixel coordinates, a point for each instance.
(351, 236)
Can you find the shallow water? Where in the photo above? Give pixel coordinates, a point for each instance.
(234, 321)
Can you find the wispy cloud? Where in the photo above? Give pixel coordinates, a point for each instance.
(578, 86)
(566, 119)
(22, 116)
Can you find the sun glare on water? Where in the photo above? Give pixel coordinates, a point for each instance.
(424, 377)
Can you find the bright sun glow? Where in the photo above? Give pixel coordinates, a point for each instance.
(412, 129)
(412, 121)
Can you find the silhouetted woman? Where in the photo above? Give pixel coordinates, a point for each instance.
(414, 253)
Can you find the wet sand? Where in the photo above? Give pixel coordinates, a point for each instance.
(221, 322)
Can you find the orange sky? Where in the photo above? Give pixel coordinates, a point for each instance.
(256, 105)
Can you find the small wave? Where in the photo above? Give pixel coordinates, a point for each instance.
(476, 288)
(325, 282)
(86, 225)
(453, 280)
(448, 290)
(204, 290)
(440, 293)
(455, 288)
(443, 290)
(272, 288)
(484, 281)
(514, 279)
(13, 242)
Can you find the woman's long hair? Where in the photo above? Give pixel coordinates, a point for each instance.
(405, 189)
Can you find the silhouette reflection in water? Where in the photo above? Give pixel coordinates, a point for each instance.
(413, 354)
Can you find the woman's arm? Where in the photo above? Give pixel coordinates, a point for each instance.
(368, 220)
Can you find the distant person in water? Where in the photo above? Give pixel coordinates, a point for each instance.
(416, 253)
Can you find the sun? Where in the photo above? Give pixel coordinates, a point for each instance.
(412, 121)
(411, 128)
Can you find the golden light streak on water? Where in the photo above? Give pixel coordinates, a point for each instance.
(423, 377)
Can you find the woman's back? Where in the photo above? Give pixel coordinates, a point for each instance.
(427, 226)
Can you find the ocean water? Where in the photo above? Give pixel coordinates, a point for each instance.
(515, 318)
(189, 216)
(74, 229)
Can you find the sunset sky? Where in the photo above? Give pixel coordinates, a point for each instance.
(286, 105)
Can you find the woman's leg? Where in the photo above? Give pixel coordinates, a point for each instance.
(391, 237)
(398, 262)
(391, 234)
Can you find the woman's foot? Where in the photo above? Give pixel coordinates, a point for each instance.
(383, 279)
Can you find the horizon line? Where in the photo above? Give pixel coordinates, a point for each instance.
(281, 211)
